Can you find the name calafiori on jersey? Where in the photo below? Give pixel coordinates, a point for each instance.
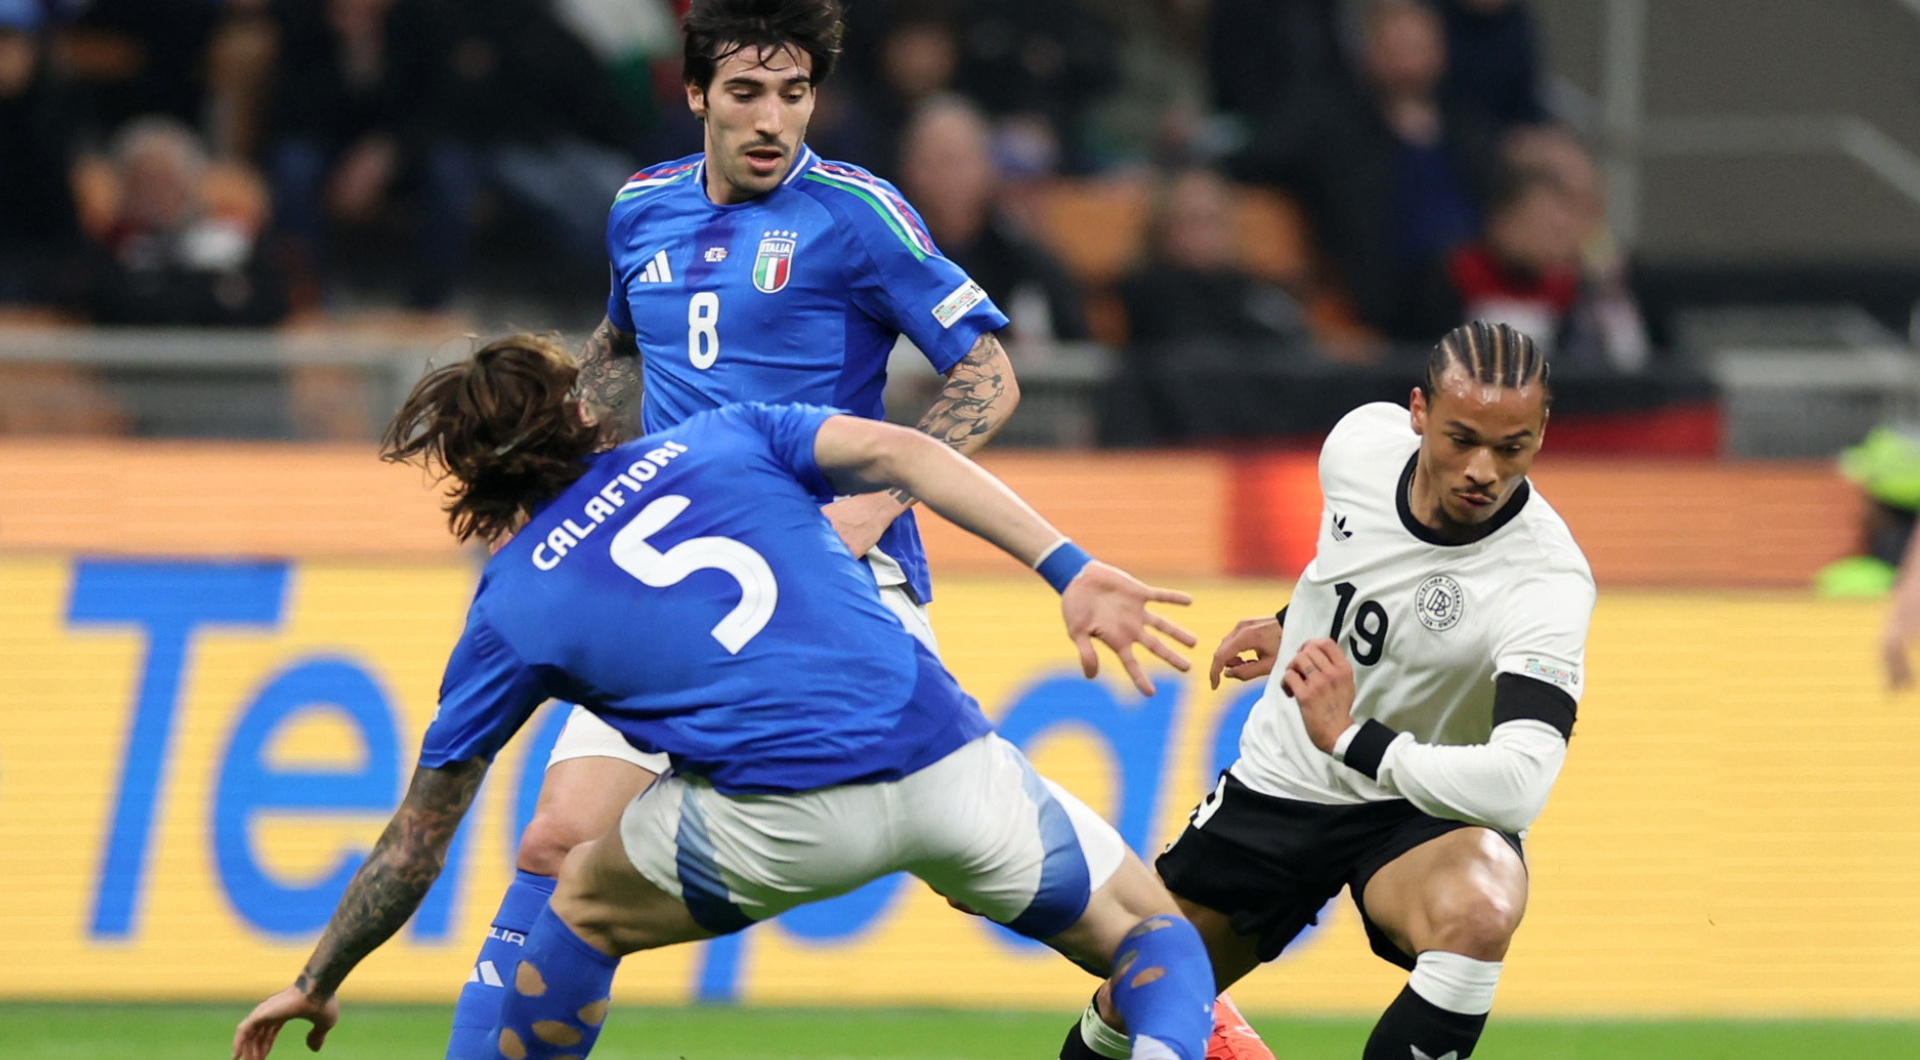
(611, 498)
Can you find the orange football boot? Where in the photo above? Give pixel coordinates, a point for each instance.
(1233, 1037)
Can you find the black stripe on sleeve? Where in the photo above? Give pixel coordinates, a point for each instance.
(1369, 746)
(1518, 698)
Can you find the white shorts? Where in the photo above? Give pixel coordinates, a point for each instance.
(586, 736)
(980, 826)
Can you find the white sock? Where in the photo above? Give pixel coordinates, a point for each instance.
(1455, 982)
(1151, 1048)
(1101, 1038)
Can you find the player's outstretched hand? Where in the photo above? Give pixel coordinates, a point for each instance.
(253, 1039)
(1107, 604)
(1899, 633)
(1261, 636)
(1321, 681)
(1893, 655)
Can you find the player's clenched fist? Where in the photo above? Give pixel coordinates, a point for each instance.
(1321, 681)
(1261, 636)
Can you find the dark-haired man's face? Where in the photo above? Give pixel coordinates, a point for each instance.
(756, 112)
(1477, 442)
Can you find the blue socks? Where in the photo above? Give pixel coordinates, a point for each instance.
(557, 996)
(478, 1010)
(1163, 987)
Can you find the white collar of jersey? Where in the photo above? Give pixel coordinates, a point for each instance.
(800, 165)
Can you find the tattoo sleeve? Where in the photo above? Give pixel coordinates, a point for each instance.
(979, 395)
(403, 864)
(609, 382)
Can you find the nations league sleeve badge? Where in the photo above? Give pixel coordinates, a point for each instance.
(1439, 603)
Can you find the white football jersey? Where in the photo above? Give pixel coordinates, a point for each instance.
(1426, 625)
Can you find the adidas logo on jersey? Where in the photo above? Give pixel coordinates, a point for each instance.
(1339, 528)
(657, 270)
(485, 973)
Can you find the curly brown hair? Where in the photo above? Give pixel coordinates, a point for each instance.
(503, 425)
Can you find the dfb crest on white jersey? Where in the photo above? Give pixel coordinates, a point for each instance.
(1439, 602)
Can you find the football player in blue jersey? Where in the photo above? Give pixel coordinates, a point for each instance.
(755, 271)
(686, 588)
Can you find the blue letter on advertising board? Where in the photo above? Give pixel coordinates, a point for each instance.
(169, 601)
(250, 786)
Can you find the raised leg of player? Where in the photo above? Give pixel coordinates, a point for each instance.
(1233, 955)
(580, 798)
(1158, 977)
(1453, 903)
(687, 862)
(1099, 1034)
(557, 996)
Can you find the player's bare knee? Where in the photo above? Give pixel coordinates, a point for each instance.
(1477, 922)
(545, 844)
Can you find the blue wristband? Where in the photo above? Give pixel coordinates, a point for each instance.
(1062, 564)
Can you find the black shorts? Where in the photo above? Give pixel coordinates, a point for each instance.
(1271, 864)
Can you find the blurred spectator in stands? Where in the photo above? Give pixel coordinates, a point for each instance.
(139, 57)
(1268, 58)
(1392, 176)
(1527, 272)
(1197, 318)
(240, 68)
(553, 136)
(167, 259)
(361, 101)
(1194, 283)
(637, 44)
(918, 55)
(947, 169)
(1036, 67)
(1046, 62)
(1493, 59)
(39, 226)
(1613, 331)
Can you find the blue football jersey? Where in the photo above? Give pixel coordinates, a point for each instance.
(796, 296)
(688, 591)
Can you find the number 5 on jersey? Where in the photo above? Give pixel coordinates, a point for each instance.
(652, 567)
(703, 329)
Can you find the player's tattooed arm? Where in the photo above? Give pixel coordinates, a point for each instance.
(403, 864)
(609, 383)
(979, 395)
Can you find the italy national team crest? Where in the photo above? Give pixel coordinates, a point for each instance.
(774, 264)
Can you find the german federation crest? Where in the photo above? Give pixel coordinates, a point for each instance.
(773, 266)
(1439, 603)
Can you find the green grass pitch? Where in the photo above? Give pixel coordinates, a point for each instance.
(376, 1032)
